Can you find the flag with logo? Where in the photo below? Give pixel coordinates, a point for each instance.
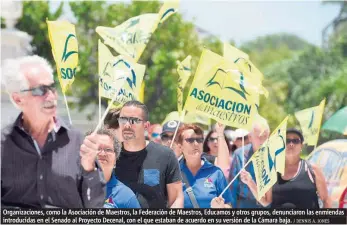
(184, 72)
(119, 75)
(131, 37)
(220, 92)
(270, 159)
(62, 36)
(245, 65)
(310, 121)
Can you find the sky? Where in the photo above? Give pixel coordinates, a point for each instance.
(243, 21)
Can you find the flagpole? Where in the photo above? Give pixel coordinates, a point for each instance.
(67, 108)
(243, 151)
(179, 123)
(234, 178)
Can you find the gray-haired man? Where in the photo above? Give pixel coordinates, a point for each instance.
(44, 163)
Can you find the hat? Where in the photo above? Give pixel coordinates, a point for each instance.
(240, 133)
(297, 132)
(170, 126)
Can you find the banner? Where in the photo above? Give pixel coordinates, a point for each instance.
(131, 37)
(270, 159)
(310, 121)
(112, 72)
(244, 64)
(219, 91)
(184, 72)
(189, 118)
(62, 36)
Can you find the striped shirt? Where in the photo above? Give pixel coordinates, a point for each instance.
(242, 195)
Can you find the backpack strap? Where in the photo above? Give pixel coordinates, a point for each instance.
(310, 171)
(189, 191)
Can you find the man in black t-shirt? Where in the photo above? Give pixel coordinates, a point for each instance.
(149, 169)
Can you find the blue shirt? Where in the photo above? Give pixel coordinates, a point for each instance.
(241, 195)
(119, 196)
(208, 183)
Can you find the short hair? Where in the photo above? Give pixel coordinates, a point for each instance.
(12, 73)
(140, 105)
(116, 144)
(197, 130)
(111, 119)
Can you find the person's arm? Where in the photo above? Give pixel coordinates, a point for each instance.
(321, 186)
(93, 181)
(133, 203)
(223, 159)
(224, 201)
(234, 187)
(174, 183)
(247, 179)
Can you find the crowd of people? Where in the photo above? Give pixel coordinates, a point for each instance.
(129, 163)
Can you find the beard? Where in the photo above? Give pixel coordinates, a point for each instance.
(128, 134)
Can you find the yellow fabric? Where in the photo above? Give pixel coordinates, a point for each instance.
(270, 159)
(184, 72)
(220, 92)
(62, 36)
(245, 65)
(310, 121)
(131, 37)
(119, 75)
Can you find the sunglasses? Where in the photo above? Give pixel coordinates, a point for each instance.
(212, 139)
(166, 137)
(131, 120)
(294, 141)
(106, 150)
(191, 140)
(240, 138)
(41, 90)
(155, 135)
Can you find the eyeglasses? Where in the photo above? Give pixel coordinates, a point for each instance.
(212, 139)
(131, 120)
(166, 137)
(155, 135)
(106, 150)
(240, 138)
(294, 141)
(41, 90)
(191, 140)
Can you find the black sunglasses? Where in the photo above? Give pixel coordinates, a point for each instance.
(166, 137)
(294, 141)
(212, 139)
(131, 120)
(41, 90)
(191, 140)
(240, 138)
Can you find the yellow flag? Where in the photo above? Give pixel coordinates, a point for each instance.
(184, 72)
(245, 65)
(62, 36)
(220, 92)
(310, 121)
(142, 92)
(131, 37)
(119, 75)
(270, 159)
(189, 118)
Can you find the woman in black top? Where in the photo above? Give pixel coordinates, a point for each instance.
(301, 183)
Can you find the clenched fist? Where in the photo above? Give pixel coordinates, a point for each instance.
(88, 152)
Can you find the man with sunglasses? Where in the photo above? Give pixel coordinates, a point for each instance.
(43, 161)
(166, 136)
(151, 170)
